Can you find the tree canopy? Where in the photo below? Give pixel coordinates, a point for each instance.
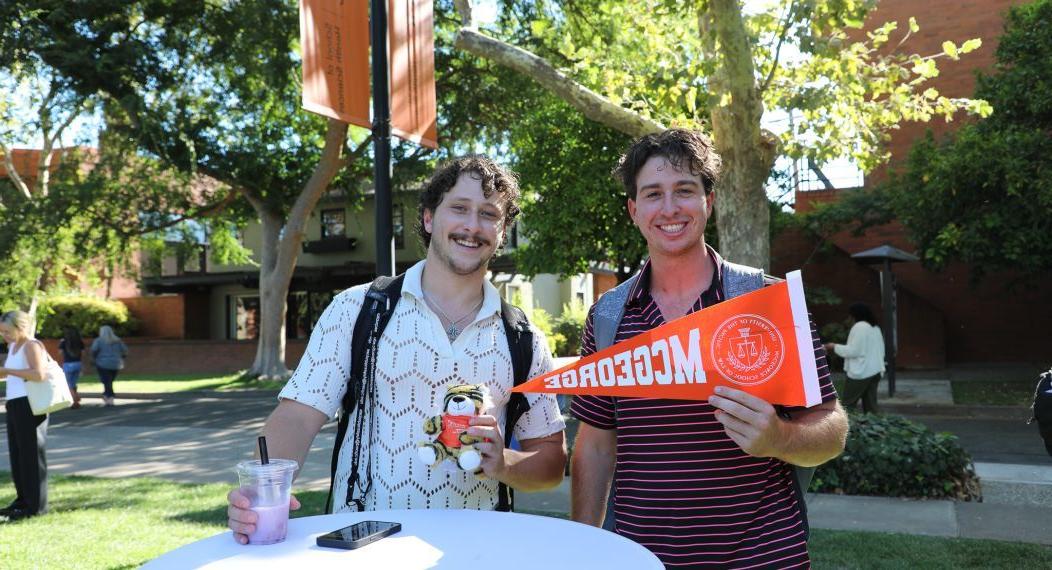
(638, 66)
(983, 194)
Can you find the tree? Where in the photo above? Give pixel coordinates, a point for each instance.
(28, 88)
(209, 89)
(575, 212)
(214, 89)
(637, 66)
(983, 195)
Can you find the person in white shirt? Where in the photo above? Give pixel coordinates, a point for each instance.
(446, 328)
(863, 358)
(26, 432)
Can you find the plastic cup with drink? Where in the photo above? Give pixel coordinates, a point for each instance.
(267, 483)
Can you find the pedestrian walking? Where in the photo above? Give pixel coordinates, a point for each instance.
(72, 348)
(109, 352)
(863, 358)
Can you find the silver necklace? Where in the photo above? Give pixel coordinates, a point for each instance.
(453, 330)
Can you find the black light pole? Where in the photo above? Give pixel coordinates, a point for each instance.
(382, 141)
(886, 255)
(888, 301)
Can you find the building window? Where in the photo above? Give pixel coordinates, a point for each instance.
(297, 315)
(304, 309)
(398, 227)
(333, 223)
(247, 318)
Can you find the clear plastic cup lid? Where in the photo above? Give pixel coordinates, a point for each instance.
(275, 467)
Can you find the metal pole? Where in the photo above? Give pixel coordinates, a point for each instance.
(887, 290)
(382, 141)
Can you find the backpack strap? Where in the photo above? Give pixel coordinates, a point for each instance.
(609, 310)
(606, 317)
(741, 279)
(379, 304)
(520, 344)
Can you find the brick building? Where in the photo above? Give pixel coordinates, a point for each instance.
(944, 318)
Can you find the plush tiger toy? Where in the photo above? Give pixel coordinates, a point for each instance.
(450, 440)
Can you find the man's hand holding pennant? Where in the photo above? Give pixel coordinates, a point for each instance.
(759, 343)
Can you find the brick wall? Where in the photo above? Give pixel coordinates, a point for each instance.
(992, 320)
(945, 317)
(922, 340)
(157, 356)
(160, 316)
(941, 20)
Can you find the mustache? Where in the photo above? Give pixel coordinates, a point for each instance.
(470, 237)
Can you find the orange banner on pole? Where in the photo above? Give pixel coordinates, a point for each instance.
(411, 35)
(759, 343)
(334, 42)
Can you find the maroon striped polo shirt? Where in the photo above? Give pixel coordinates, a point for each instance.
(684, 489)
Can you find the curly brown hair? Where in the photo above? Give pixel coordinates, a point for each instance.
(681, 147)
(494, 178)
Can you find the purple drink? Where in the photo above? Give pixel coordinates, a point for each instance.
(272, 524)
(268, 487)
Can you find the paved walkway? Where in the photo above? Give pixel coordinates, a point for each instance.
(198, 437)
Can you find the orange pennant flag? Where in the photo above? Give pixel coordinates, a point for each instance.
(759, 343)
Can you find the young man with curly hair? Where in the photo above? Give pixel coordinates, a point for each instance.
(446, 328)
(698, 483)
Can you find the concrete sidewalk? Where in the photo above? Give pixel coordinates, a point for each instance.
(199, 437)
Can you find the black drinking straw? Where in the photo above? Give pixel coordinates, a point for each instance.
(263, 457)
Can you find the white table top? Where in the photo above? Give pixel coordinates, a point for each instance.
(428, 539)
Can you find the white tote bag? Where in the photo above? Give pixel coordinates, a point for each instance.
(52, 394)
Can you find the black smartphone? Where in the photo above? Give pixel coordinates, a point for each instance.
(358, 535)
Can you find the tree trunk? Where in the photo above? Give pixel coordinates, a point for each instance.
(748, 152)
(34, 299)
(273, 291)
(281, 250)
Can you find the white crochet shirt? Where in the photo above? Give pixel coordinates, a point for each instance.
(415, 363)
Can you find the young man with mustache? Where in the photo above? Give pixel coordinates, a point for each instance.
(446, 328)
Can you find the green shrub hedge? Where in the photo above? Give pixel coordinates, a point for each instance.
(86, 314)
(569, 327)
(890, 456)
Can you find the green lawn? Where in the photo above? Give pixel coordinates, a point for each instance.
(868, 550)
(994, 393)
(116, 523)
(166, 383)
(122, 523)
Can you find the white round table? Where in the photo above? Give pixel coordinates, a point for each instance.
(428, 539)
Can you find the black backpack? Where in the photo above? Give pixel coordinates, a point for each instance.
(1041, 409)
(379, 305)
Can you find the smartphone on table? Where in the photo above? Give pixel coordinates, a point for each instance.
(358, 535)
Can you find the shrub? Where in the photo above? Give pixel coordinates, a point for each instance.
(570, 326)
(543, 321)
(86, 314)
(891, 456)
